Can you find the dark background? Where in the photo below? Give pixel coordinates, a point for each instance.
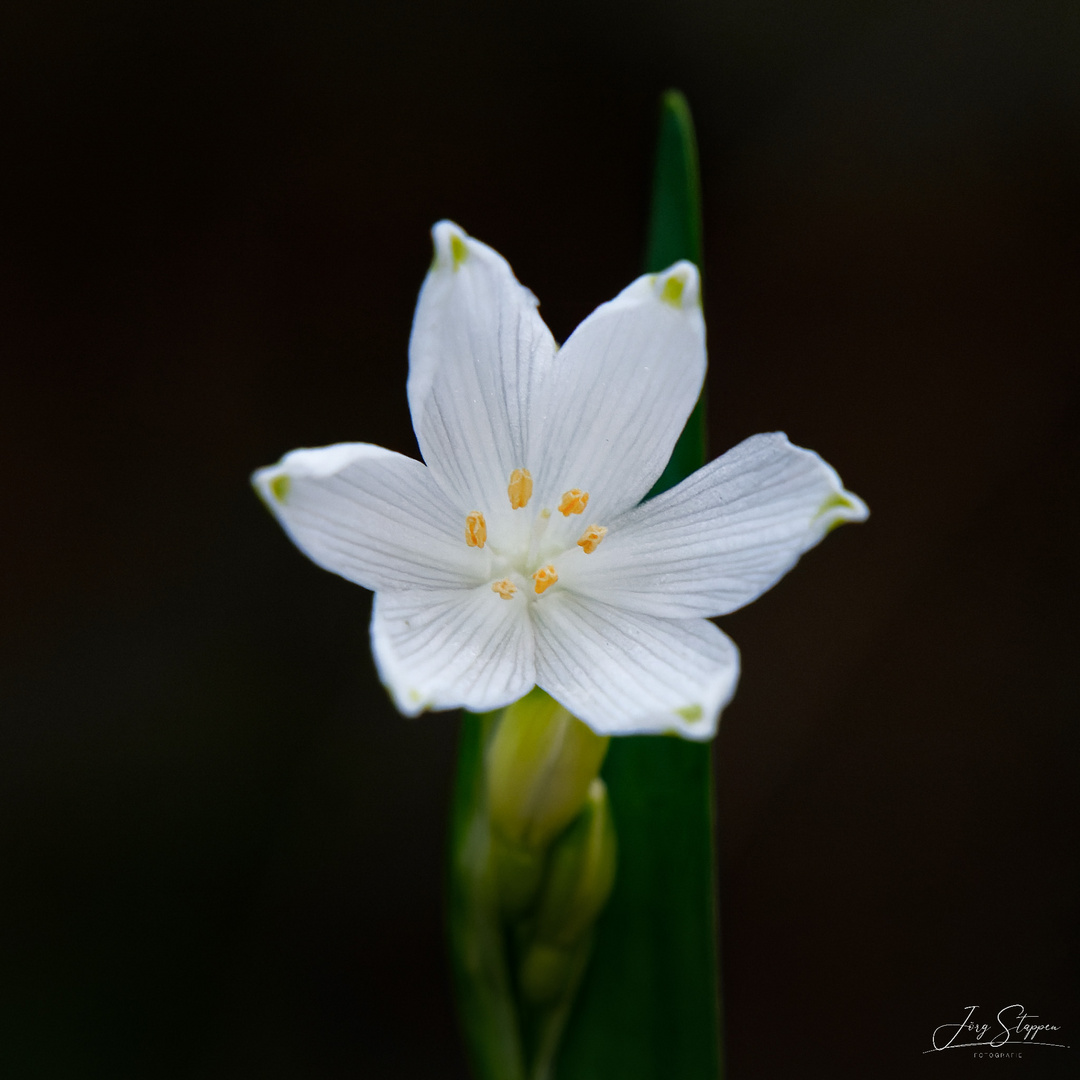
(221, 848)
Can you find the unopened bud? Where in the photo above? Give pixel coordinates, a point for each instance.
(540, 763)
(547, 971)
(580, 873)
(577, 884)
(519, 871)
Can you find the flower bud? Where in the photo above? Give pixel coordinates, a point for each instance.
(580, 874)
(577, 884)
(518, 871)
(540, 763)
(547, 971)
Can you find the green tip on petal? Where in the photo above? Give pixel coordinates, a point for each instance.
(279, 487)
(459, 252)
(673, 290)
(836, 501)
(451, 245)
(678, 286)
(844, 509)
(690, 713)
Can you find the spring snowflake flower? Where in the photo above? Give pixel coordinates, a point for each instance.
(519, 552)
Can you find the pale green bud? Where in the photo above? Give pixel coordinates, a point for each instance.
(519, 871)
(547, 971)
(577, 884)
(540, 762)
(580, 873)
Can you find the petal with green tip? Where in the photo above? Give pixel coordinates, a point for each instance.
(720, 538)
(372, 516)
(625, 673)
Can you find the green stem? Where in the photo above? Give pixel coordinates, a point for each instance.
(486, 1001)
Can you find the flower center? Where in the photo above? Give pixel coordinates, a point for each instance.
(544, 578)
(505, 588)
(531, 557)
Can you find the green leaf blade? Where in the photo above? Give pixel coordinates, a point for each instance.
(674, 234)
(675, 217)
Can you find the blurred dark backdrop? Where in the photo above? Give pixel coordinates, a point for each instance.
(221, 848)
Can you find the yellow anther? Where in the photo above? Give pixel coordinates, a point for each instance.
(520, 489)
(573, 502)
(591, 537)
(505, 588)
(544, 578)
(475, 529)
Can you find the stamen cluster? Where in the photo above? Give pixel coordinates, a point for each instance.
(519, 491)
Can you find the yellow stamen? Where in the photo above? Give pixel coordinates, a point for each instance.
(475, 529)
(505, 588)
(573, 502)
(520, 489)
(544, 578)
(591, 537)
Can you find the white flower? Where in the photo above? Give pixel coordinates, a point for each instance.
(521, 553)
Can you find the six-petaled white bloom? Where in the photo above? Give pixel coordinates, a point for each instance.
(521, 552)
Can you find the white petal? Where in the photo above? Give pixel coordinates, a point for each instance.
(623, 387)
(451, 649)
(372, 516)
(479, 351)
(720, 538)
(626, 674)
